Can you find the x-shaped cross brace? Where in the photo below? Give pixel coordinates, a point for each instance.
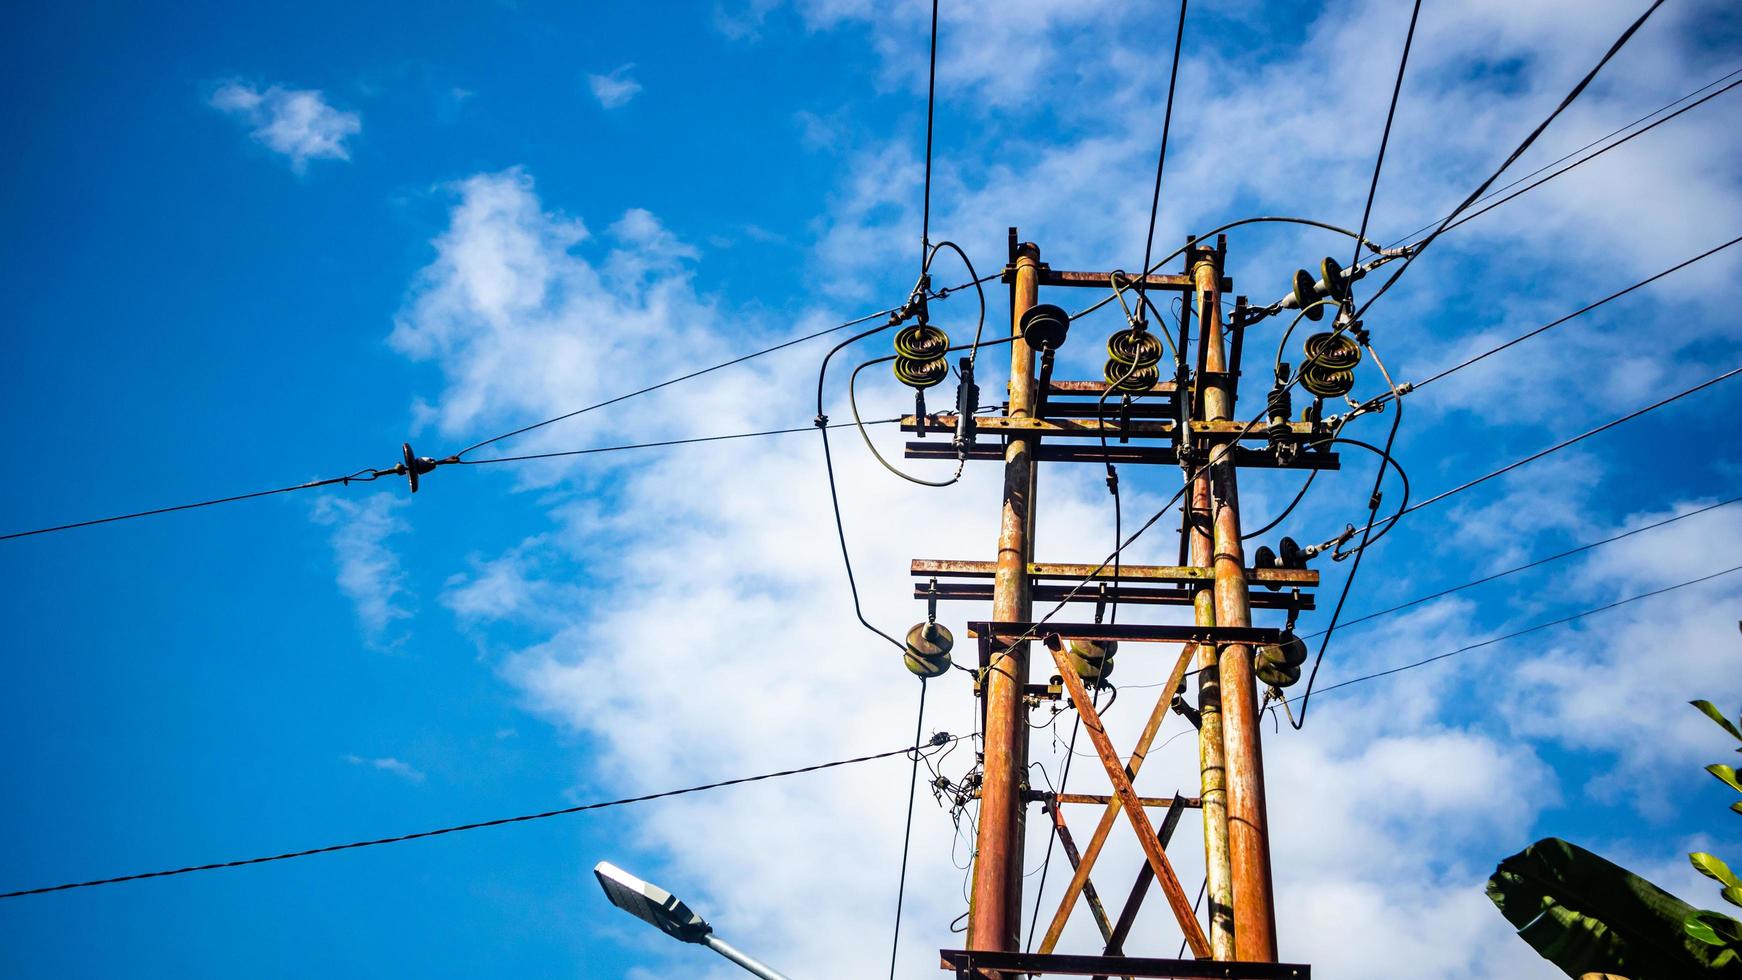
(1124, 798)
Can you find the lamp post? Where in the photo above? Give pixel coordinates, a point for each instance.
(667, 913)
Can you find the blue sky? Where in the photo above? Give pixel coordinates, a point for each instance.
(252, 246)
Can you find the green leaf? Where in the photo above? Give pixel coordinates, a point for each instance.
(1733, 895)
(1713, 928)
(1727, 774)
(1697, 928)
(1711, 711)
(1713, 868)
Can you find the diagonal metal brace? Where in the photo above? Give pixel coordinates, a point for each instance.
(1134, 812)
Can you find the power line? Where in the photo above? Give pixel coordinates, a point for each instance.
(1161, 158)
(939, 294)
(1572, 96)
(1577, 313)
(939, 739)
(1506, 187)
(907, 835)
(1385, 137)
(1509, 467)
(668, 442)
(1533, 564)
(1528, 629)
(931, 98)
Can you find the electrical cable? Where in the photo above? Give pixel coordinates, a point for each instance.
(1385, 137)
(1576, 313)
(1506, 187)
(1727, 375)
(938, 740)
(931, 97)
(1418, 248)
(361, 476)
(1532, 564)
(907, 836)
(666, 442)
(1161, 158)
(1528, 629)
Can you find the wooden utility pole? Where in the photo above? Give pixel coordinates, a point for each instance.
(995, 912)
(1188, 423)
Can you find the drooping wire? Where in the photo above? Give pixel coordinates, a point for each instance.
(667, 442)
(1533, 563)
(1527, 630)
(1572, 96)
(907, 835)
(1161, 157)
(1052, 838)
(936, 741)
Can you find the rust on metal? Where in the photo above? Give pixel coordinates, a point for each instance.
(1056, 277)
(1094, 427)
(1151, 727)
(969, 963)
(1248, 828)
(1092, 897)
(1124, 594)
(1140, 887)
(1057, 452)
(1127, 798)
(1153, 802)
(1211, 766)
(995, 906)
(1182, 574)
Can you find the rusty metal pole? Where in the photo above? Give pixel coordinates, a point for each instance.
(995, 917)
(1212, 769)
(1248, 826)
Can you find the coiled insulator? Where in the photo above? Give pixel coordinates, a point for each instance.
(1279, 664)
(1329, 371)
(1132, 356)
(919, 355)
(1091, 659)
(1280, 407)
(928, 649)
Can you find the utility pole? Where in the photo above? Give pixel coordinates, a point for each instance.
(1190, 423)
(1248, 826)
(995, 912)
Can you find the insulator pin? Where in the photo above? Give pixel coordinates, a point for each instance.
(1329, 371)
(1279, 664)
(919, 355)
(928, 649)
(1132, 356)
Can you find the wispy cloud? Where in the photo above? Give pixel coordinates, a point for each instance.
(369, 570)
(614, 90)
(298, 123)
(403, 770)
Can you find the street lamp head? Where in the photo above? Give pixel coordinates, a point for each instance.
(651, 904)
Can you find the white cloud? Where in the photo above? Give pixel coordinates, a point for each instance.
(1393, 805)
(389, 764)
(369, 569)
(615, 89)
(298, 123)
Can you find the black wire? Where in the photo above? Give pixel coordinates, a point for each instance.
(1529, 629)
(1046, 863)
(1577, 313)
(665, 442)
(1532, 564)
(361, 476)
(1385, 137)
(1564, 444)
(937, 740)
(1516, 153)
(940, 294)
(930, 105)
(1161, 158)
(1506, 187)
(907, 837)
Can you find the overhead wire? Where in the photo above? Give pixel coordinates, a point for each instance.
(1571, 97)
(1527, 630)
(907, 835)
(1534, 563)
(936, 741)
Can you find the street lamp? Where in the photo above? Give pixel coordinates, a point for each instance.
(665, 912)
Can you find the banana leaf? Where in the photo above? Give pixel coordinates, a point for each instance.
(1586, 915)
